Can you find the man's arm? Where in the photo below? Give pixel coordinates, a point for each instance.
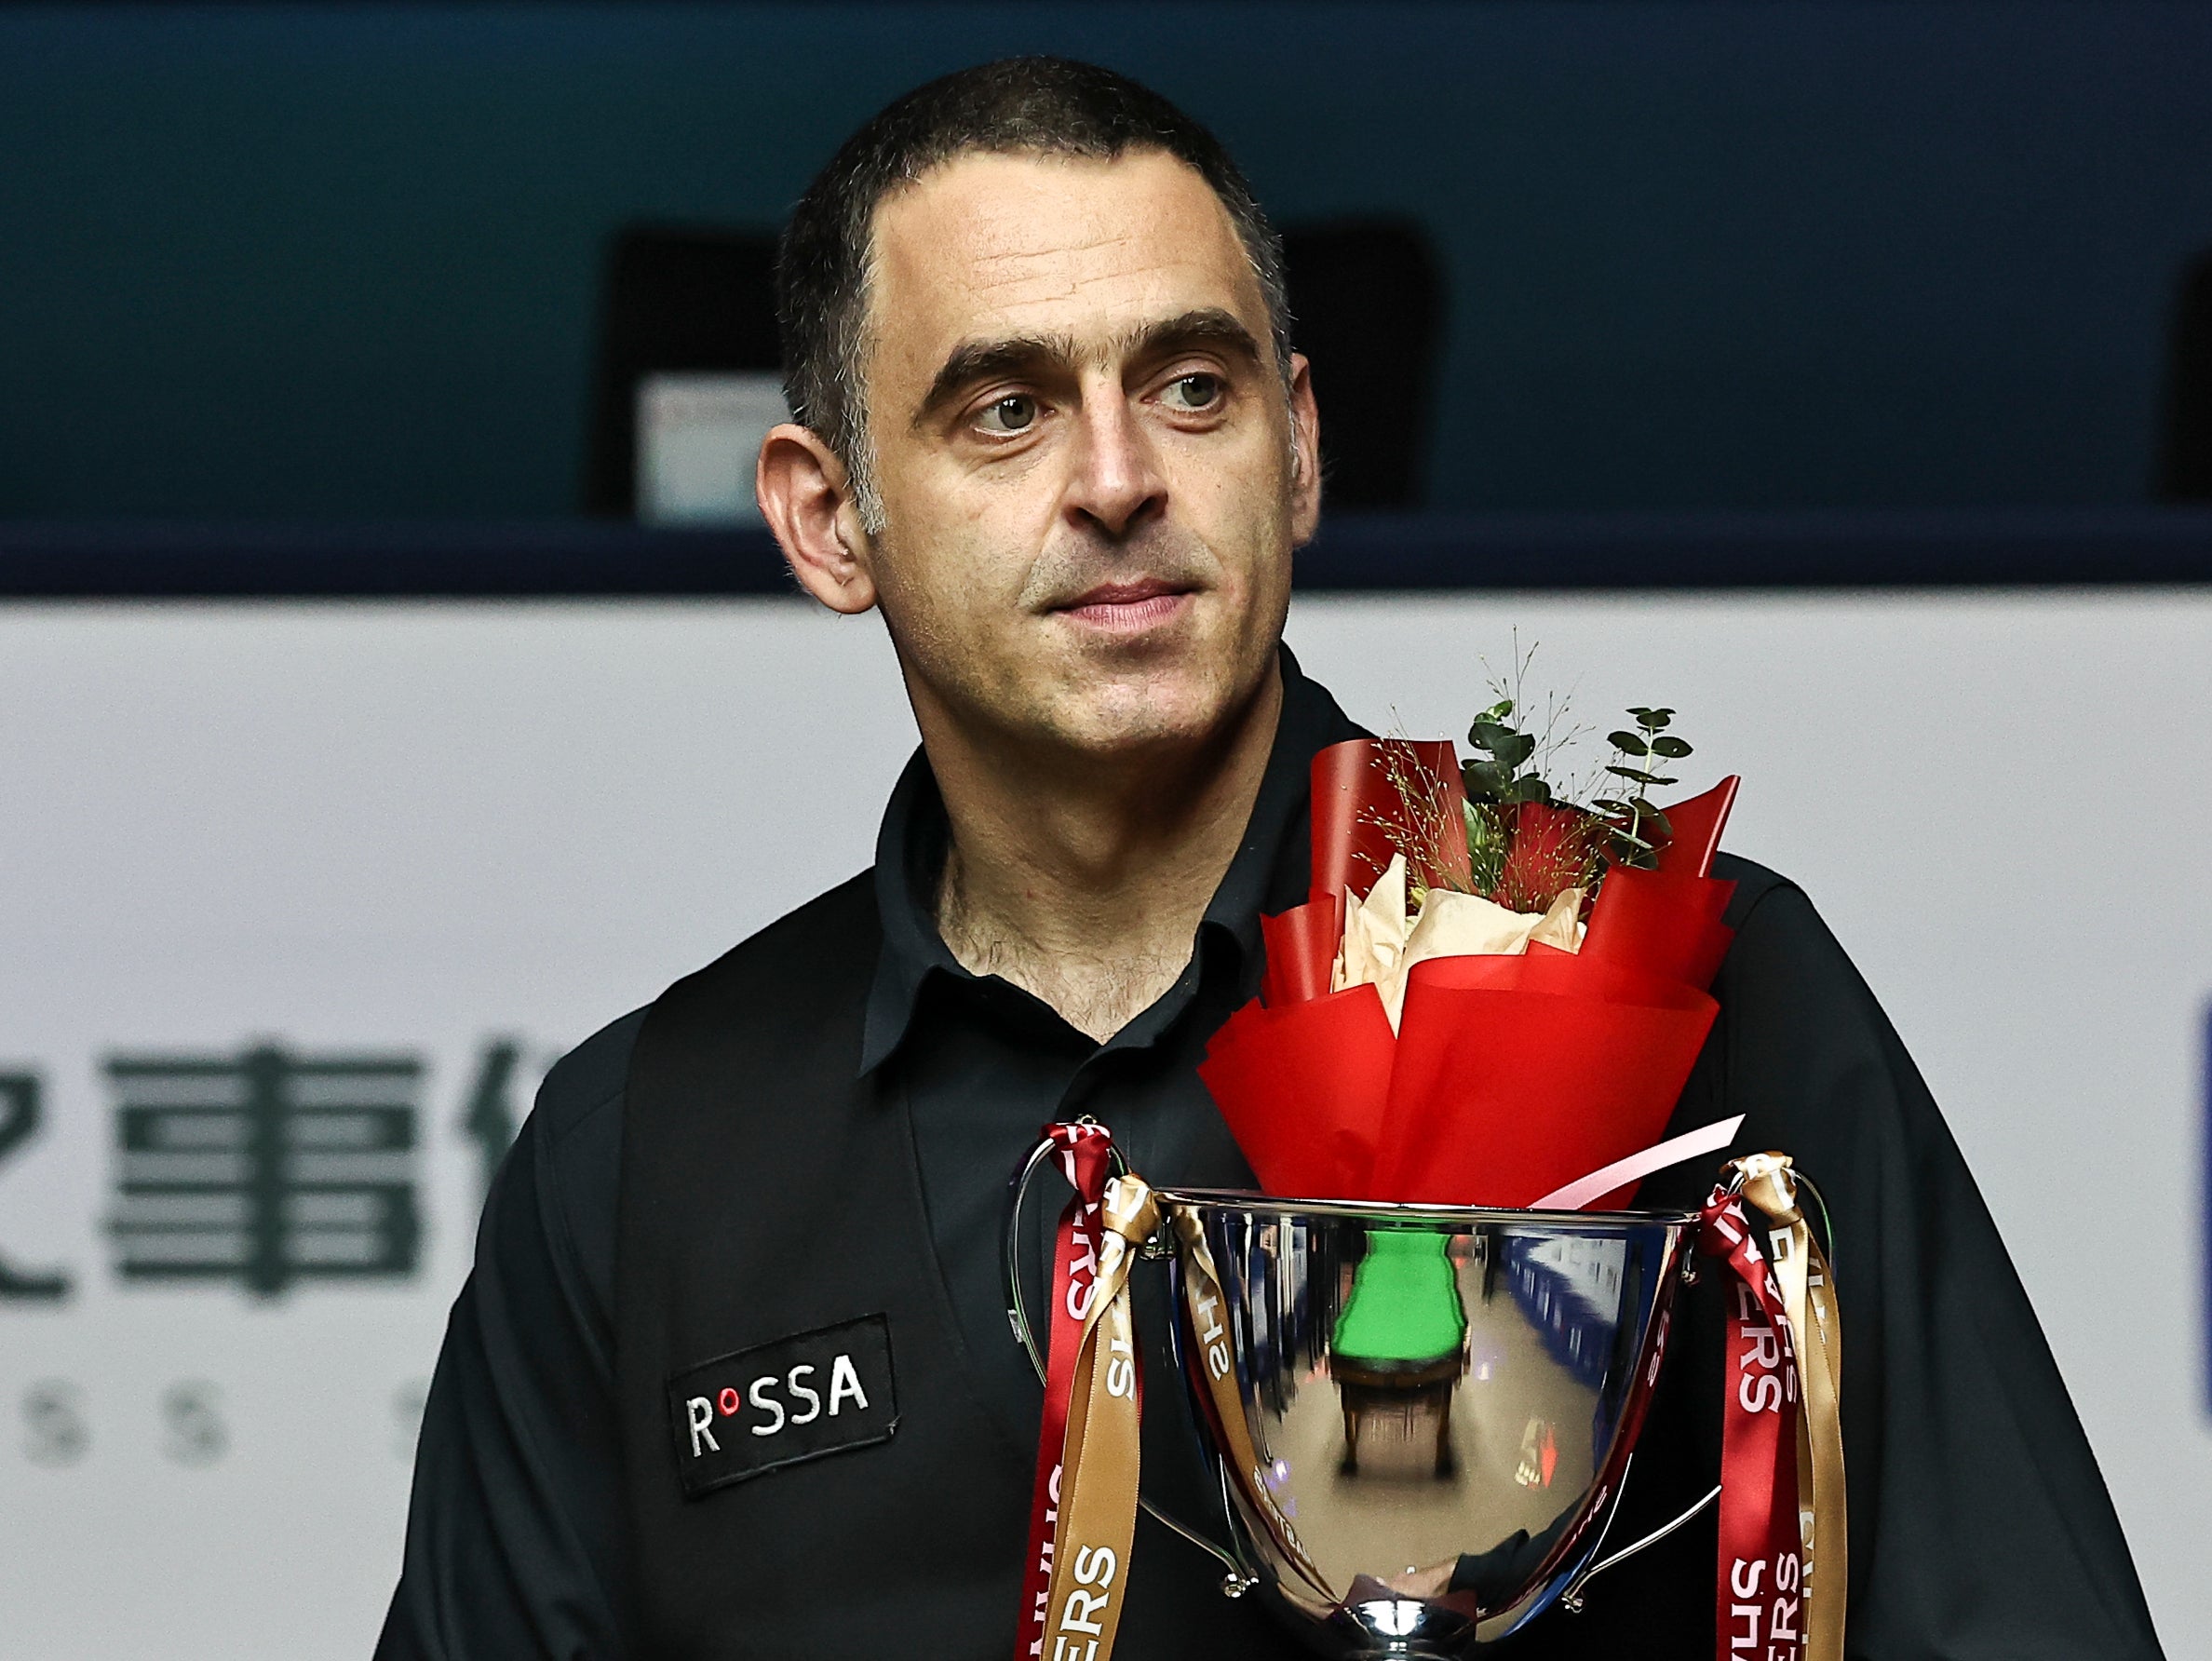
(513, 1533)
(1980, 1524)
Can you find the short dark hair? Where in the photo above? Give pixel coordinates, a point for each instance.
(1047, 106)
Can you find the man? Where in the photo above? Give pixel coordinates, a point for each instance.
(732, 1377)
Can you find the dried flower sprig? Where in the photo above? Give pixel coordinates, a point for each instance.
(1527, 840)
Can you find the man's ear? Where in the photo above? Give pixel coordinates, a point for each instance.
(806, 497)
(1305, 454)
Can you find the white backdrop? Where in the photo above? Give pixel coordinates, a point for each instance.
(417, 832)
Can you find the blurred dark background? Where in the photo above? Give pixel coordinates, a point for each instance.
(315, 262)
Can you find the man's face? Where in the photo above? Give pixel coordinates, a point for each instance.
(1084, 452)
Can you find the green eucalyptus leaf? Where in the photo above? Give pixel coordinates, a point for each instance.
(1633, 852)
(1497, 712)
(1632, 743)
(1485, 779)
(1652, 719)
(1635, 774)
(1673, 748)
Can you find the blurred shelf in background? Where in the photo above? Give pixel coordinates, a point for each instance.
(1377, 551)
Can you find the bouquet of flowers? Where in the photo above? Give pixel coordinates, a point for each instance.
(1490, 989)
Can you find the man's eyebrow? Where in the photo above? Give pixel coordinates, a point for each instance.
(983, 360)
(1208, 325)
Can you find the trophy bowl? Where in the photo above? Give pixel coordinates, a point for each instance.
(1420, 1416)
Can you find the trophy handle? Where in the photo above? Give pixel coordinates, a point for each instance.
(1239, 1579)
(1571, 1599)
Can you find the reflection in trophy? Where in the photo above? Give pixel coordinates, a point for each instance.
(1399, 1348)
(1429, 1410)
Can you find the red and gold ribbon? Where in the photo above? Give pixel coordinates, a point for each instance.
(1083, 1510)
(1782, 1494)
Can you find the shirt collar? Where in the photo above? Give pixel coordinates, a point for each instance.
(1268, 872)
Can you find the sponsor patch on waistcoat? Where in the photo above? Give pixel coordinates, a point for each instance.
(759, 1410)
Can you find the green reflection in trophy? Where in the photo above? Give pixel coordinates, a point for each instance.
(1400, 1345)
(1405, 1301)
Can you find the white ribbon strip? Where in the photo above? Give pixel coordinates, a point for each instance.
(1711, 1139)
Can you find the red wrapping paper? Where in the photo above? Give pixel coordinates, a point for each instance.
(1304, 1089)
(1361, 818)
(1301, 945)
(1509, 1076)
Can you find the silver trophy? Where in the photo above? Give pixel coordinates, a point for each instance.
(1420, 1417)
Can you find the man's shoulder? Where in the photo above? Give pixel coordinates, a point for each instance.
(577, 1122)
(1777, 930)
(834, 935)
(834, 930)
(1755, 884)
(588, 1078)
(1787, 971)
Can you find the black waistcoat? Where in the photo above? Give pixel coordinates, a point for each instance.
(768, 1190)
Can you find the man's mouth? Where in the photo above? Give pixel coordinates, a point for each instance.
(1128, 607)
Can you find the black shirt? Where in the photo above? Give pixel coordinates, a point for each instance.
(515, 1541)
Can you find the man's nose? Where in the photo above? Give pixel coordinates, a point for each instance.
(1115, 480)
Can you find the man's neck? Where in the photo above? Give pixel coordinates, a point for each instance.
(1084, 884)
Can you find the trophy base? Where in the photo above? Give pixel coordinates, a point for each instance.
(1396, 1628)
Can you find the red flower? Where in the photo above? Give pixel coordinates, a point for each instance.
(1549, 849)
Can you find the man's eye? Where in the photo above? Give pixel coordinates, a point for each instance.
(1014, 414)
(1195, 393)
